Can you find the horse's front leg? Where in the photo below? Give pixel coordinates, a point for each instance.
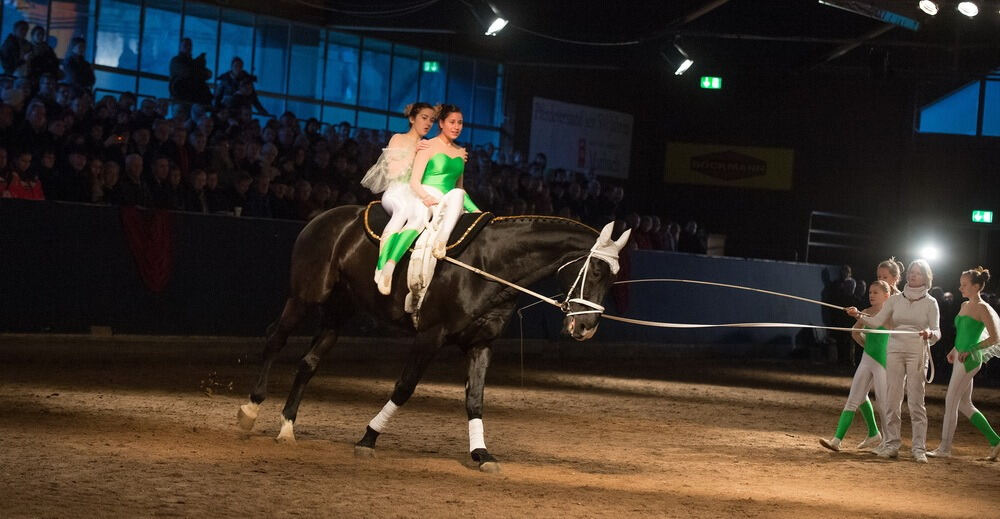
(426, 345)
(475, 383)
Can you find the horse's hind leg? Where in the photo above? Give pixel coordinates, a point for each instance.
(479, 361)
(421, 355)
(277, 337)
(325, 340)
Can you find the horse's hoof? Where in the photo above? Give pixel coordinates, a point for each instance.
(490, 467)
(360, 451)
(287, 434)
(247, 416)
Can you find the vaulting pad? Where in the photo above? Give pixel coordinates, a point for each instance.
(469, 225)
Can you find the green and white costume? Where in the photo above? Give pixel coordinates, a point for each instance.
(969, 334)
(391, 175)
(869, 375)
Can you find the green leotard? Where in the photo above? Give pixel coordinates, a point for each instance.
(876, 345)
(968, 333)
(442, 173)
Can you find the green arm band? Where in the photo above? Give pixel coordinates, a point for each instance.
(468, 204)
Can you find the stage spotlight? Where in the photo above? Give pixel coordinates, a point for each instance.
(930, 252)
(969, 9)
(677, 58)
(498, 22)
(929, 7)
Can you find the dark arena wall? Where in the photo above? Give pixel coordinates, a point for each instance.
(72, 266)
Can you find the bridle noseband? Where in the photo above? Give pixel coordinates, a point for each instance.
(580, 277)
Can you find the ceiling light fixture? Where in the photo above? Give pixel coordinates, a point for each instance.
(969, 9)
(929, 7)
(498, 23)
(677, 58)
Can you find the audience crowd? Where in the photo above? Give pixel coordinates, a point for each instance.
(208, 153)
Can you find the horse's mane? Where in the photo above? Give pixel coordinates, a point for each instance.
(542, 218)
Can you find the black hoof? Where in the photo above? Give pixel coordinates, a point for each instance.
(368, 440)
(487, 463)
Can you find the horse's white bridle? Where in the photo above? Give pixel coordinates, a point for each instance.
(604, 249)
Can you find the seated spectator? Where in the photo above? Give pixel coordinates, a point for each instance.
(22, 182)
(42, 59)
(240, 191)
(690, 240)
(109, 192)
(281, 206)
(196, 198)
(175, 190)
(189, 76)
(230, 84)
(656, 234)
(131, 189)
(216, 197)
(303, 193)
(158, 182)
(672, 236)
(16, 50)
(641, 235)
(258, 202)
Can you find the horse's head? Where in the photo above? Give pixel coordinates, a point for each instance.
(586, 280)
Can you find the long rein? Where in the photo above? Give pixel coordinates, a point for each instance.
(660, 324)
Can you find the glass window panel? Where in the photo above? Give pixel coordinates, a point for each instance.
(481, 137)
(399, 125)
(955, 113)
(159, 37)
(270, 54)
(304, 111)
(201, 24)
(433, 83)
(118, 34)
(460, 85)
(374, 91)
(486, 74)
(341, 71)
(273, 105)
(405, 80)
(114, 82)
(305, 54)
(371, 121)
(991, 109)
(70, 18)
(235, 40)
(337, 115)
(484, 106)
(153, 88)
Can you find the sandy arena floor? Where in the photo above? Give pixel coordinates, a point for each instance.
(140, 427)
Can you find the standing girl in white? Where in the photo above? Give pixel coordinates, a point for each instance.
(976, 325)
(906, 363)
(869, 375)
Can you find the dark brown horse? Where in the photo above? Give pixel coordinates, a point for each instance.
(332, 265)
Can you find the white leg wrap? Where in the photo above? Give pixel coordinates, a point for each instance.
(287, 432)
(382, 418)
(476, 434)
(251, 410)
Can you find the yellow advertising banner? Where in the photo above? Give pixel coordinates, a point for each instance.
(732, 166)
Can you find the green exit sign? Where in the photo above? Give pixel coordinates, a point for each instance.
(711, 82)
(431, 66)
(982, 216)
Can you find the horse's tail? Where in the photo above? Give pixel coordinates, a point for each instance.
(315, 271)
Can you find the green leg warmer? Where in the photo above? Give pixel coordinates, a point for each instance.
(869, 415)
(402, 243)
(845, 421)
(983, 425)
(383, 253)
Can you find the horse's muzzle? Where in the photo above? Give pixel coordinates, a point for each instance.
(578, 330)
